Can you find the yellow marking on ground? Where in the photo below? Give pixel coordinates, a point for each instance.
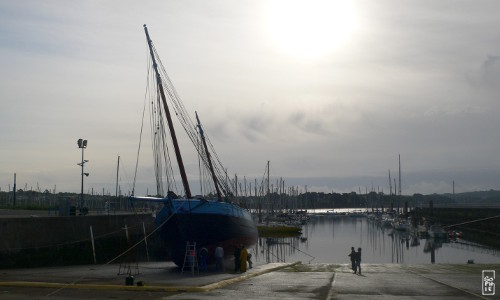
(150, 288)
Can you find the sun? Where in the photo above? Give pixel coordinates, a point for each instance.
(310, 29)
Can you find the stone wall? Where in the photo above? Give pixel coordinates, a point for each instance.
(51, 241)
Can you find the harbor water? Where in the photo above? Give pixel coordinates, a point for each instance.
(328, 239)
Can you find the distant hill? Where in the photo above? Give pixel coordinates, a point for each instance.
(491, 196)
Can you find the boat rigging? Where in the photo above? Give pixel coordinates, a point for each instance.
(189, 219)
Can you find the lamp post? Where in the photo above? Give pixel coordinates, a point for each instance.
(82, 144)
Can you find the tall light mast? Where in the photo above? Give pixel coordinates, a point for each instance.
(82, 144)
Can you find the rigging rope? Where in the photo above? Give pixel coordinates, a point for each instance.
(148, 67)
(160, 147)
(187, 123)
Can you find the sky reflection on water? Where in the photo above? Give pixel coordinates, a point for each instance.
(329, 240)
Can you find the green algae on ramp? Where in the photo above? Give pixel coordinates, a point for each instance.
(300, 267)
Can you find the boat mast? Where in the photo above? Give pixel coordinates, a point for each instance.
(169, 118)
(219, 195)
(399, 198)
(268, 193)
(400, 175)
(117, 168)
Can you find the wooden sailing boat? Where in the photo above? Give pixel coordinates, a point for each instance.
(186, 219)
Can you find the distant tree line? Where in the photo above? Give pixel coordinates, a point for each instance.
(273, 201)
(314, 200)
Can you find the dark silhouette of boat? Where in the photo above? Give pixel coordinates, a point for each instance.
(185, 219)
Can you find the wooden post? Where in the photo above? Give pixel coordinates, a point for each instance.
(126, 232)
(145, 240)
(93, 247)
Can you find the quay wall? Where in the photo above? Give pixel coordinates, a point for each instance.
(55, 241)
(481, 225)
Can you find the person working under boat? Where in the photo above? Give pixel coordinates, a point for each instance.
(237, 262)
(203, 259)
(243, 259)
(219, 257)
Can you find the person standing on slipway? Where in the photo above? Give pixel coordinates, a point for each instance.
(358, 262)
(353, 259)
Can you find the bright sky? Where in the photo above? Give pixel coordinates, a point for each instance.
(330, 93)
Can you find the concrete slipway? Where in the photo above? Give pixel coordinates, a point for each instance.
(163, 280)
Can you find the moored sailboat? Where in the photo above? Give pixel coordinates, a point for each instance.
(436, 231)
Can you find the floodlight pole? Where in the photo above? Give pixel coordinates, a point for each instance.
(82, 144)
(81, 195)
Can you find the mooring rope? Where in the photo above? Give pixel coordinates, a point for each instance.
(118, 256)
(294, 248)
(473, 221)
(312, 257)
(75, 241)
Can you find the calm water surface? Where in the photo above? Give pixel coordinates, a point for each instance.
(329, 240)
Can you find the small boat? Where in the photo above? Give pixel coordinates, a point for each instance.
(454, 234)
(278, 228)
(401, 225)
(333, 213)
(357, 214)
(386, 221)
(436, 231)
(421, 230)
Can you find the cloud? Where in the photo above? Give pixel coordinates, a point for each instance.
(307, 122)
(490, 70)
(256, 127)
(451, 110)
(487, 75)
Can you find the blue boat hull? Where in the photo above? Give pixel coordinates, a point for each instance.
(208, 223)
